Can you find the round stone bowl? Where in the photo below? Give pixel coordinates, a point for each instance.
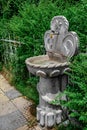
(45, 67)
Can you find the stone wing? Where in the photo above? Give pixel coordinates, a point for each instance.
(69, 45)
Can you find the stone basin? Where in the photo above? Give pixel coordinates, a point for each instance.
(44, 66)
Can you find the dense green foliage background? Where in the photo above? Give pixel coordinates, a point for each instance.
(77, 90)
(26, 21)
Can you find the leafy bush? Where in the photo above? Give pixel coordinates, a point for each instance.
(8, 8)
(76, 93)
(77, 90)
(68, 127)
(30, 27)
(32, 23)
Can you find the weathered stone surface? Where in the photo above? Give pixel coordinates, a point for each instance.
(59, 24)
(12, 94)
(37, 128)
(21, 103)
(58, 40)
(42, 118)
(50, 119)
(3, 98)
(6, 108)
(25, 127)
(5, 86)
(60, 46)
(41, 73)
(58, 116)
(12, 121)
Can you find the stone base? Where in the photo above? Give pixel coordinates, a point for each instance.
(47, 117)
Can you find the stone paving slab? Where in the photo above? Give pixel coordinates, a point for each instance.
(14, 108)
(33, 128)
(5, 86)
(23, 105)
(6, 108)
(12, 121)
(23, 128)
(12, 94)
(38, 128)
(3, 98)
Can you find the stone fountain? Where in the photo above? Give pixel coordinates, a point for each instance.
(60, 46)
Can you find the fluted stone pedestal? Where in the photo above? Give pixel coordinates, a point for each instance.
(48, 88)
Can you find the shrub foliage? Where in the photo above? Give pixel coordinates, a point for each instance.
(77, 90)
(31, 23)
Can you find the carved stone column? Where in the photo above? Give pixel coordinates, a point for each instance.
(48, 88)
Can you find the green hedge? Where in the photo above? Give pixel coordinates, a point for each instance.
(32, 22)
(77, 90)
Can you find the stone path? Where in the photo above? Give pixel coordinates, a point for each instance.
(14, 109)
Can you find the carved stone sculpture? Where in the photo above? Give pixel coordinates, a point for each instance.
(60, 46)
